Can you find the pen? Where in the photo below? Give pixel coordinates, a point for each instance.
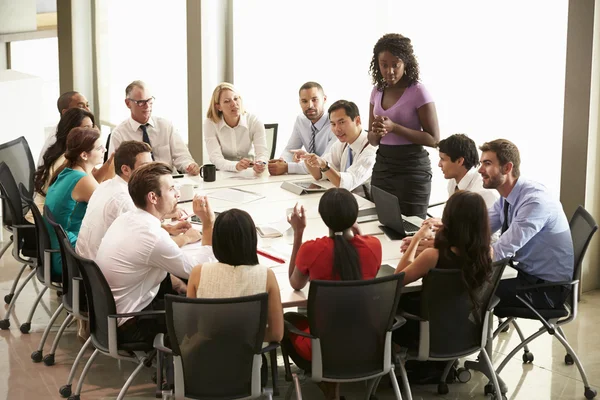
(270, 257)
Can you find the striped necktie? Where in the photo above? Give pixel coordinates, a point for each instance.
(311, 147)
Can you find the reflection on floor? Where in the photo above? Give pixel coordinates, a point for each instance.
(547, 378)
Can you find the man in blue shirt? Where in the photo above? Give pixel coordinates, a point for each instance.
(312, 131)
(533, 227)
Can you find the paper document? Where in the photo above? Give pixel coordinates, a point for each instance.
(235, 195)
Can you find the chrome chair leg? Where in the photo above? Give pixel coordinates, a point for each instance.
(527, 356)
(125, 387)
(5, 323)
(27, 324)
(59, 334)
(494, 375)
(65, 390)
(36, 356)
(85, 371)
(405, 383)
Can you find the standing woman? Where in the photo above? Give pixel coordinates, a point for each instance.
(231, 133)
(72, 186)
(402, 119)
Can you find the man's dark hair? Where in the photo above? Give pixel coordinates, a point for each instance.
(350, 108)
(64, 100)
(234, 238)
(460, 145)
(310, 85)
(146, 179)
(506, 151)
(127, 153)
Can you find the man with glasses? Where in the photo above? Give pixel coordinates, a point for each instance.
(158, 132)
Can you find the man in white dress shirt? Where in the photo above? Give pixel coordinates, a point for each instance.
(112, 199)
(136, 253)
(312, 132)
(158, 132)
(65, 102)
(458, 161)
(349, 162)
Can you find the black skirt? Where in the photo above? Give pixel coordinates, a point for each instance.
(404, 171)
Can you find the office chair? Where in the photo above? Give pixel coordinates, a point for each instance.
(107, 144)
(103, 317)
(351, 337)
(217, 346)
(17, 155)
(583, 227)
(271, 133)
(22, 237)
(451, 326)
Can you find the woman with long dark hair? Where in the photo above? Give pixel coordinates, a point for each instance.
(72, 186)
(342, 255)
(402, 119)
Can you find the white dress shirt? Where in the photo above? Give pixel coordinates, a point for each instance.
(472, 182)
(135, 256)
(363, 161)
(227, 145)
(108, 201)
(301, 136)
(167, 145)
(50, 140)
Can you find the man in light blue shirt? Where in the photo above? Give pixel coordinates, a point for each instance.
(534, 228)
(312, 131)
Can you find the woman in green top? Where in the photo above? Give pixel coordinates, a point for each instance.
(72, 186)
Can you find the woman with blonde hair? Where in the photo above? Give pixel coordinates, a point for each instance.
(235, 139)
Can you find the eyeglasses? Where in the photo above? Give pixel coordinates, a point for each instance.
(142, 103)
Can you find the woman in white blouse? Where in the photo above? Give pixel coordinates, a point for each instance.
(231, 133)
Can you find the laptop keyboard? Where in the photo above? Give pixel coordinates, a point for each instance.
(408, 227)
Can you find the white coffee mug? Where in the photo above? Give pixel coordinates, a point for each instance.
(186, 192)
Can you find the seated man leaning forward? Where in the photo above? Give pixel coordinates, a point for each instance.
(533, 228)
(159, 133)
(112, 199)
(136, 254)
(311, 133)
(349, 162)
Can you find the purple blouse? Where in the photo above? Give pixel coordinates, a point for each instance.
(404, 112)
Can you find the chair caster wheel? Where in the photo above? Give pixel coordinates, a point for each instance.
(443, 388)
(527, 358)
(464, 375)
(4, 324)
(49, 360)
(65, 391)
(590, 393)
(25, 327)
(569, 359)
(8, 298)
(36, 356)
(74, 397)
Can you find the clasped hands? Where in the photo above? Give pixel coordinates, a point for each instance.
(382, 125)
(425, 235)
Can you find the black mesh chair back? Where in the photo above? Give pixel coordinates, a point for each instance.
(17, 155)
(217, 340)
(583, 226)
(101, 302)
(456, 323)
(271, 134)
(107, 149)
(350, 319)
(12, 206)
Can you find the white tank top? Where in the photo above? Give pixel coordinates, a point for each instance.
(219, 280)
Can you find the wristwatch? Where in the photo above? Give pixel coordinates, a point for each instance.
(326, 167)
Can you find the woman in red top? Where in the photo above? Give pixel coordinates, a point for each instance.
(342, 255)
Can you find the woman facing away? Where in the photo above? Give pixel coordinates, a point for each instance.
(72, 186)
(232, 134)
(54, 156)
(342, 255)
(462, 242)
(402, 119)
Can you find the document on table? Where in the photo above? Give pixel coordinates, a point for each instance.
(235, 195)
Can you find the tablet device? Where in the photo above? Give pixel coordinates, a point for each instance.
(303, 187)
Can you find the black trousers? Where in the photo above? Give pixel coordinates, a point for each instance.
(548, 298)
(404, 171)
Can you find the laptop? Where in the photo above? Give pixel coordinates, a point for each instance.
(385, 270)
(395, 225)
(303, 187)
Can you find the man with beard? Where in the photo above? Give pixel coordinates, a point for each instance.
(533, 227)
(136, 253)
(312, 131)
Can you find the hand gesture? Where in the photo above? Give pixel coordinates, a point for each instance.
(425, 232)
(297, 218)
(243, 164)
(313, 161)
(203, 210)
(259, 167)
(277, 167)
(298, 154)
(193, 169)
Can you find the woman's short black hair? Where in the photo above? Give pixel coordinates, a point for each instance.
(234, 238)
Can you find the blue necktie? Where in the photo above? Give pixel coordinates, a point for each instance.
(145, 137)
(350, 159)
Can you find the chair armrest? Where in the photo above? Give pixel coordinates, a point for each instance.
(151, 314)
(159, 344)
(290, 328)
(22, 226)
(436, 204)
(529, 288)
(270, 347)
(399, 321)
(404, 314)
(494, 303)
